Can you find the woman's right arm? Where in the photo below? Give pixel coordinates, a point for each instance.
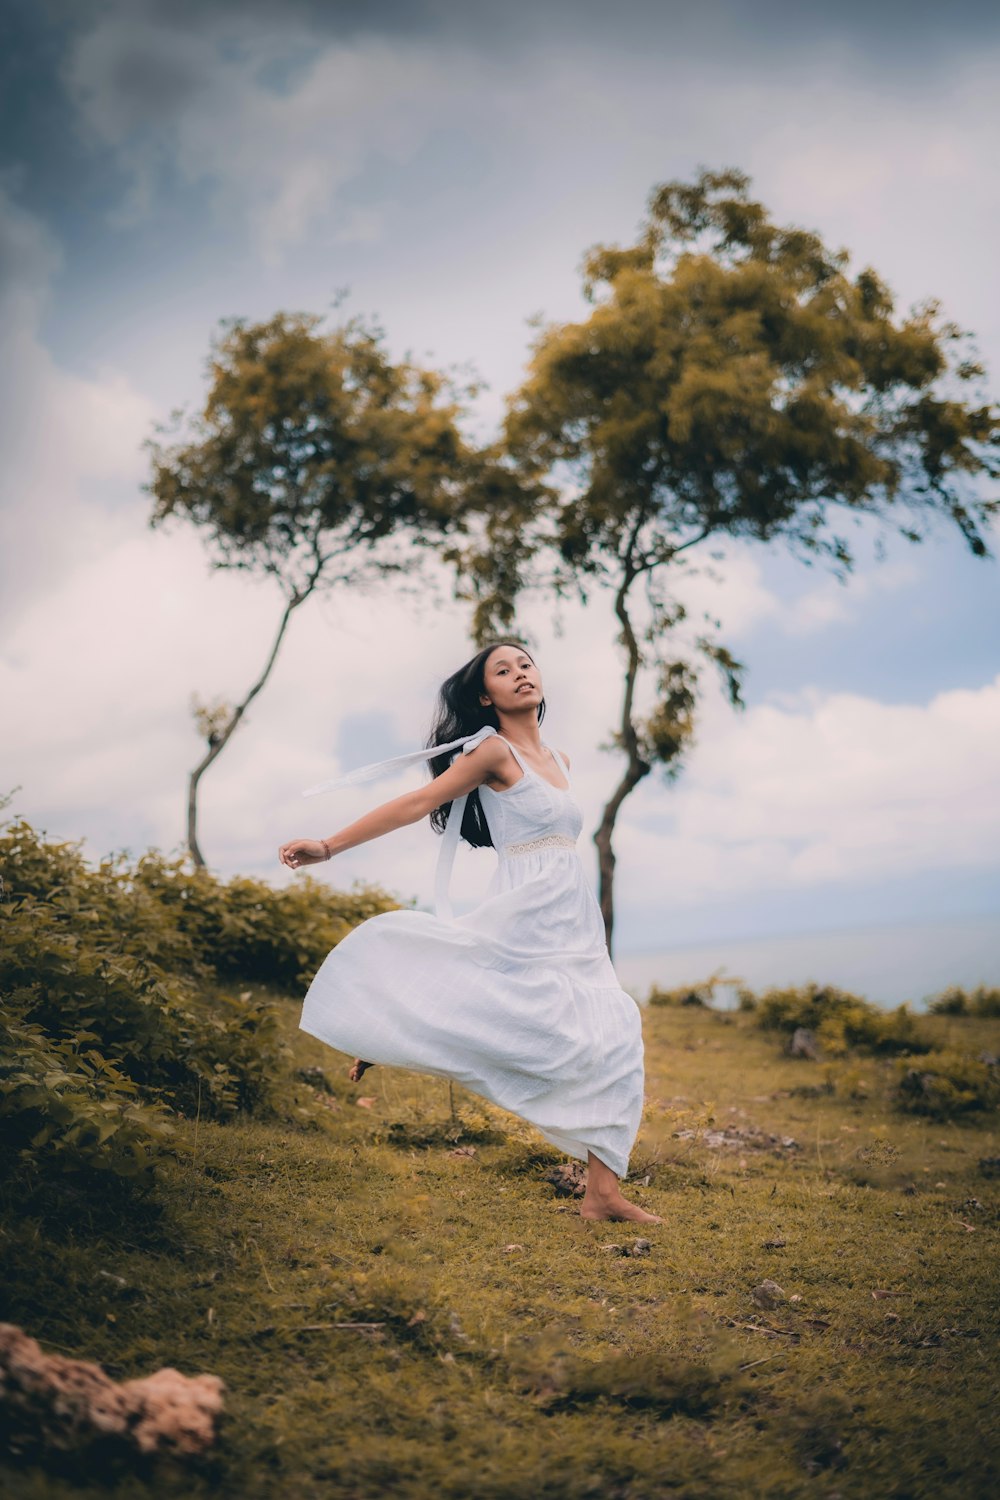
(464, 774)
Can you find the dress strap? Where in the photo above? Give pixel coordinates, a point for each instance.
(516, 753)
(561, 760)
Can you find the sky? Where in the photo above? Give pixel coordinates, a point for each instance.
(444, 167)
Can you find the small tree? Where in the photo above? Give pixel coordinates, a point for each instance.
(732, 381)
(317, 462)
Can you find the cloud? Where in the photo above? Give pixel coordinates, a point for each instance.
(195, 103)
(811, 789)
(70, 443)
(834, 603)
(822, 788)
(278, 136)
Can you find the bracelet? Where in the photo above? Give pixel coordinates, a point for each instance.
(326, 846)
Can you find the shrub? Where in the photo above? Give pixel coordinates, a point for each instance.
(694, 994)
(188, 920)
(246, 929)
(946, 1085)
(111, 1002)
(684, 994)
(172, 1041)
(955, 1001)
(840, 1020)
(71, 1107)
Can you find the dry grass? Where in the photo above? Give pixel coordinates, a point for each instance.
(394, 1318)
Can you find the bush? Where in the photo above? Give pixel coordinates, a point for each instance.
(188, 920)
(685, 994)
(840, 1020)
(694, 994)
(173, 1042)
(948, 1085)
(245, 929)
(111, 1006)
(980, 1002)
(72, 1108)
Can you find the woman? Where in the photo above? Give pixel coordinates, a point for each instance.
(517, 999)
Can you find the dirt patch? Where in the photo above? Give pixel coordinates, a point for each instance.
(741, 1138)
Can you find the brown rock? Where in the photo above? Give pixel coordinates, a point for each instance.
(768, 1294)
(569, 1179)
(68, 1403)
(803, 1044)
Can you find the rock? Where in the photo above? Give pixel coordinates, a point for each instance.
(803, 1044)
(739, 1138)
(640, 1247)
(568, 1179)
(768, 1294)
(69, 1403)
(455, 1326)
(316, 1079)
(117, 1281)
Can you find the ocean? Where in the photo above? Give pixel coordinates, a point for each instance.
(885, 964)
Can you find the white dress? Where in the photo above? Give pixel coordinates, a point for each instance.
(517, 999)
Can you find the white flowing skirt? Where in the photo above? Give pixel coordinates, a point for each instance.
(517, 1000)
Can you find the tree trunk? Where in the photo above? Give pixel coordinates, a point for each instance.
(636, 769)
(217, 746)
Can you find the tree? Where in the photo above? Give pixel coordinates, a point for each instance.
(732, 381)
(317, 462)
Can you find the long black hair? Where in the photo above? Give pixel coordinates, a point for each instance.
(459, 712)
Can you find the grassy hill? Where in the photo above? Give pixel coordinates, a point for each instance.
(393, 1279)
(401, 1304)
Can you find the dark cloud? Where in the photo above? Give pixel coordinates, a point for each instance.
(148, 61)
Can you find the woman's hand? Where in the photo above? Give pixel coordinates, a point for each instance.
(302, 852)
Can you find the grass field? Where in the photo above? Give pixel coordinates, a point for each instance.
(400, 1304)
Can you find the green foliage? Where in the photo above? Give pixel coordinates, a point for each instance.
(684, 994)
(246, 929)
(184, 919)
(112, 1002)
(313, 447)
(840, 1020)
(317, 463)
(65, 1101)
(733, 379)
(948, 1085)
(955, 1001)
(697, 994)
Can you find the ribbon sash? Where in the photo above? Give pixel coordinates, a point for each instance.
(453, 823)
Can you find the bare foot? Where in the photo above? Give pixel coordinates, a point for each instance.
(358, 1069)
(596, 1206)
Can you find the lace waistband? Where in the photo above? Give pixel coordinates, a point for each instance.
(548, 841)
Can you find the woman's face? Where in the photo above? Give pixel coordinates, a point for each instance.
(511, 680)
